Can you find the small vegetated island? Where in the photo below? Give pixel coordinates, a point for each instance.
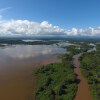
(58, 81)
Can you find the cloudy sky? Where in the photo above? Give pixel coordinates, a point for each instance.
(50, 17)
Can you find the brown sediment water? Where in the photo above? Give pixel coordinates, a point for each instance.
(17, 63)
(83, 92)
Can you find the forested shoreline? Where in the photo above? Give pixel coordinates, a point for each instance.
(90, 67)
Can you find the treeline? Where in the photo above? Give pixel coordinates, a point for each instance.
(90, 66)
(56, 81)
(21, 42)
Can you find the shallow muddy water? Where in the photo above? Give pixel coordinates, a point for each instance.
(17, 81)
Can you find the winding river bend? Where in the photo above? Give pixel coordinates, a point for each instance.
(83, 88)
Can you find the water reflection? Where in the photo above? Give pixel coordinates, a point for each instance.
(30, 51)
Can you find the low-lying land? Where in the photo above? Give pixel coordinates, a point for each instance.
(58, 81)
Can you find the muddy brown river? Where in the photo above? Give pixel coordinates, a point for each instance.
(83, 92)
(17, 81)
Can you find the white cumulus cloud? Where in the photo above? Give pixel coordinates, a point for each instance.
(25, 27)
(31, 28)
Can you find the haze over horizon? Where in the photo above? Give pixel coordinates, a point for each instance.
(49, 18)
